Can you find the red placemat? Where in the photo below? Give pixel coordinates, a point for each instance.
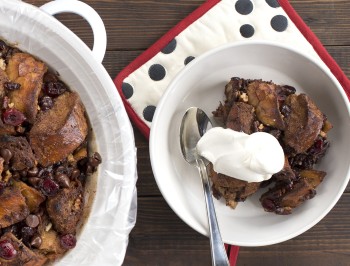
(142, 83)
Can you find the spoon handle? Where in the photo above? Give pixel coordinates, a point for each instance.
(218, 252)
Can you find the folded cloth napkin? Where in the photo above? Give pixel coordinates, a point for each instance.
(142, 83)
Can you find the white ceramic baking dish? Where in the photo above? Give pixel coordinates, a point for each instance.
(104, 236)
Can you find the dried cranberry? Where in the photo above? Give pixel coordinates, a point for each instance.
(46, 103)
(54, 89)
(68, 241)
(7, 250)
(49, 187)
(268, 205)
(50, 77)
(13, 117)
(27, 233)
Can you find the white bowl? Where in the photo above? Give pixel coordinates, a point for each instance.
(202, 84)
(104, 237)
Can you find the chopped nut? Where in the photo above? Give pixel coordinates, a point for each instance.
(48, 227)
(2, 64)
(70, 158)
(323, 134)
(11, 105)
(1, 166)
(77, 203)
(20, 129)
(261, 126)
(244, 97)
(7, 176)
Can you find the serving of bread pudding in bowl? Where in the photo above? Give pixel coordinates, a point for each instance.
(252, 106)
(308, 86)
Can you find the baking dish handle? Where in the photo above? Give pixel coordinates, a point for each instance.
(88, 13)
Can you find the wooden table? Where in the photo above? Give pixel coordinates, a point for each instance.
(160, 237)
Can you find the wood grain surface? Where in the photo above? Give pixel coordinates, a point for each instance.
(160, 237)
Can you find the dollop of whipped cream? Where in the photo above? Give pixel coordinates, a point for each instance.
(252, 158)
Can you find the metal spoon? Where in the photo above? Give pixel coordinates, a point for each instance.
(193, 126)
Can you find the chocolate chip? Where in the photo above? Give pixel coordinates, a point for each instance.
(89, 169)
(23, 173)
(32, 220)
(60, 170)
(6, 154)
(63, 180)
(16, 175)
(34, 181)
(36, 241)
(75, 174)
(33, 172)
(95, 159)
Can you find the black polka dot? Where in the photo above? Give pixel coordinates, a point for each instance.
(170, 47)
(247, 30)
(148, 113)
(244, 7)
(273, 3)
(156, 72)
(279, 23)
(128, 90)
(188, 59)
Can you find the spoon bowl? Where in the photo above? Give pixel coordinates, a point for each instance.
(194, 124)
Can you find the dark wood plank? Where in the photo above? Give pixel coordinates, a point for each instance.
(329, 20)
(130, 25)
(341, 54)
(161, 238)
(146, 184)
(135, 25)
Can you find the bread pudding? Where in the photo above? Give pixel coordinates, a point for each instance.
(44, 161)
(299, 126)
